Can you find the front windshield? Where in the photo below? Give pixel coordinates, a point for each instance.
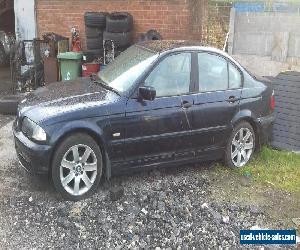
(125, 70)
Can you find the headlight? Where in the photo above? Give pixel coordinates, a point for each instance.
(32, 130)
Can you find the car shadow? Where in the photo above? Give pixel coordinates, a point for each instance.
(41, 185)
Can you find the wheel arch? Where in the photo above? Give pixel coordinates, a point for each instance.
(95, 134)
(248, 116)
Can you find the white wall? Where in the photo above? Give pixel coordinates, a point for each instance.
(25, 25)
(265, 42)
(267, 34)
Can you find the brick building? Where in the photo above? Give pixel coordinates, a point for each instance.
(174, 19)
(7, 22)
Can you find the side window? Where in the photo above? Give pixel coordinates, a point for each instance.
(172, 75)
(213, 72)
(235, 78)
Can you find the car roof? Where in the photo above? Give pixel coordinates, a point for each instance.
(162, 46)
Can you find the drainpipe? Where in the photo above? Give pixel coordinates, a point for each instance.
(35, 18)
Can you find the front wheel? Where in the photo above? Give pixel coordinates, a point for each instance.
(241, 145)
(77, 167)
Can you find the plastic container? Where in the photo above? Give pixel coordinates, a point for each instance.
(103, 66)
(90, 68)
(70, 65)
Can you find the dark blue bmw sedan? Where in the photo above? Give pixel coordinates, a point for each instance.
(159, 103)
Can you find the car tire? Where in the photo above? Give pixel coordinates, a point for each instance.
(94, 43)
(70, 163)
(119, 39)
(119, 22)
(92, 32)
(95, 19)
(153, 35)
(240, 146)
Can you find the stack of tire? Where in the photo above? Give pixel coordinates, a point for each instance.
(95, 23)
(119, 29)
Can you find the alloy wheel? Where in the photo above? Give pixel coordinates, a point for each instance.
(78, 169)
(242, 147)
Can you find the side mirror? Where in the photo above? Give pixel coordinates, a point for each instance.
(147, 93)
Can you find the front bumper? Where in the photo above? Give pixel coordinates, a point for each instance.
(265, 125)
(35, 158)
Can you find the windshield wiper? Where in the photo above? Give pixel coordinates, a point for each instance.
(105, 85)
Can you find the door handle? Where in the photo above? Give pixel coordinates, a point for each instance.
(186, 104)
(232, 99)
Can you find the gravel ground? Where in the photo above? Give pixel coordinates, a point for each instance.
(5, 90)
(161, 209)
(4, 119)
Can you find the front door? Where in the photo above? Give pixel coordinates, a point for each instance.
(217, 101)
(158, 130)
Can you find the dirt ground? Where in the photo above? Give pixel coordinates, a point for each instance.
(200, 206)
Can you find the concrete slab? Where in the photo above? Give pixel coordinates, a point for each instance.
(7, 152)
(5, 81)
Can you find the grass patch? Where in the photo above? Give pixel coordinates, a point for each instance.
(279, 168)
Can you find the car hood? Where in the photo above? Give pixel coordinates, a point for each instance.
(62, 98)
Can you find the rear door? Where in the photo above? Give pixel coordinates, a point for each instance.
(159, 130)
(217, 101)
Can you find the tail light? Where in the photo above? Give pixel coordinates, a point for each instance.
(272, 101)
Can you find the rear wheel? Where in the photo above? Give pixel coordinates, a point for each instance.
(240, 146)
(77, 167)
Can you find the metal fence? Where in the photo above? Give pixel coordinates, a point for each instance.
(26, 63)
(215, 25)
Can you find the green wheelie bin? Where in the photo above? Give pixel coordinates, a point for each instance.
(70, 65)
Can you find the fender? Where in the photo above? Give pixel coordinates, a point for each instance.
(244, 114)
(84, 126)
(249, 116)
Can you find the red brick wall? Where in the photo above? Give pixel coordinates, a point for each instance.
(174, 19)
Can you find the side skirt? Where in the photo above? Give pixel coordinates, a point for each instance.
(167, 160)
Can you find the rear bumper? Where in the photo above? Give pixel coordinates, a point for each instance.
(265, 125)
(35, 158)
